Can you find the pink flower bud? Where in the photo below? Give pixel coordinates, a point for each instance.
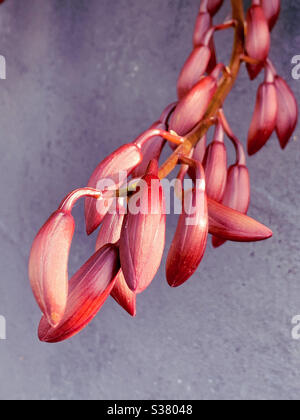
(89, 289)
(258, 38)
(231, 225)
(271, 10)
(215, 164)
(110, 232)
(203, 24)
(115, 169)
(287, 116)
(265, 116)
(193, 69)
(214, 6)
(48, 265)
(189, 243)
(192, 108)
(237, 192)
(143, 234)
(152, 149)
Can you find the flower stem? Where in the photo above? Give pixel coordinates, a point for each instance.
(225, 87)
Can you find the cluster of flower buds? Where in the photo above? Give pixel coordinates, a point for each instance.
(125, 199)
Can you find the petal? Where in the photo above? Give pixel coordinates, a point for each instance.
(232, 225)
(89, 289)
(48, 265)
(271, 10)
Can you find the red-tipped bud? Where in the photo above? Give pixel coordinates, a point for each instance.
(189, 243)
(214, 6)
(271, 10)
(48, 265)
(89, 289)
(193, 70)
(143, 233)
(110, 175)
(264, 119)
(287, 116)
(191, 109)
(258, 39)
(231, 225)
(215, 164)
(152, 149)
(110, 232)
(237, 192)
(198, 155)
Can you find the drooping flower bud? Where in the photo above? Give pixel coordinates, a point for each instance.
(114, 171)
(195, 66)
(214, 6)
(89, 289)
(189, 243)
(198, 155)
(237, 192)
(215, 165)
(48, 261)
(143, 234)
(231, 225)
(271, 10)
(265, 115)
(204, 24)
(192, 108)
(258, 38)
(287, 116)
(109, 233)
(48, 265)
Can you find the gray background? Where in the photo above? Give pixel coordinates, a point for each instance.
(84, 77)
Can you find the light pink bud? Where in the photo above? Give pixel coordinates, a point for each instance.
(89, 289)
(48, 265)
(287, 116)
(116, 168)
(215, 164)
(192, 108)
(110, 232)
(271, 10)
(258, 38)
(143, 234)
(264, 119)
(189, 243)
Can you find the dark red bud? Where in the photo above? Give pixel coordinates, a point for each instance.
(115, 168)
(237, 192)
(203, 24)
(143, 234)
(264, 119)
(189, 243)
(215, 164)
(89, 289)
(287, 116)
(110, 232)
(214, 6)
(258, 39)
(271, 10)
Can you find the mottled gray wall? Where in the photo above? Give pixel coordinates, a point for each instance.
(82, 78)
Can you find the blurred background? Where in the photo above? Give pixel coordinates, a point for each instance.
(84, 77)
